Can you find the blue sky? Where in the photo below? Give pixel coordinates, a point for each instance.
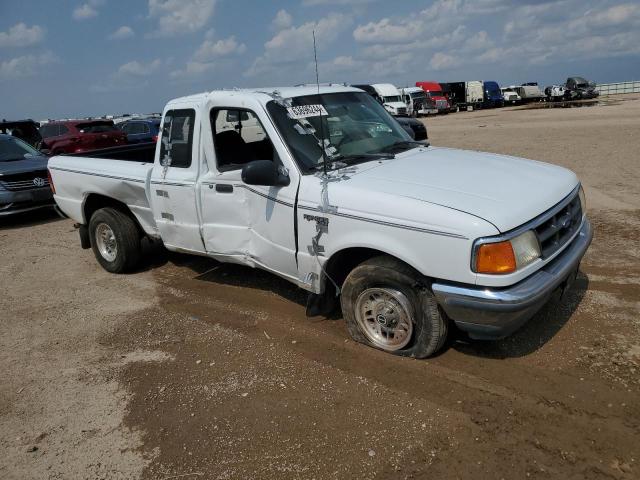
(67, 58)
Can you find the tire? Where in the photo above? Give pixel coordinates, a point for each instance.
(115, 240)
(385, 287)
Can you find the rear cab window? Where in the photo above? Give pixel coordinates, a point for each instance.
(177, 138)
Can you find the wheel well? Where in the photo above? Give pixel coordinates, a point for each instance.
(95, 201)
(342, 262)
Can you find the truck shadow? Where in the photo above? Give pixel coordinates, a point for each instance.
(28, 219)
(534, 334)
(531, 337)
(210, 270)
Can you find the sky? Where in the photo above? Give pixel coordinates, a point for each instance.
(76, 58)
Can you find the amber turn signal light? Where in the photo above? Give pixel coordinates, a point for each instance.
(495, 258)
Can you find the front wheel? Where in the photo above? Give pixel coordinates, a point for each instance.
(387, 306)
(115, 240)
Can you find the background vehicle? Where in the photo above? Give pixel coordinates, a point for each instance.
(24, 180)
(579, 88)
(492, 94)
(410, 237)
(530, 92)
(140, 130)
(414, 127)
(434, 91)
(556, 93)
(465, 94)
(26, 130)
(75, 136)
(391, 98)
(417, 101)
(510, 95)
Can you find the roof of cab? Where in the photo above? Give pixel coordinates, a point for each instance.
(264, 93)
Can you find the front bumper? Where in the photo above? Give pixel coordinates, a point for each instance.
(491, 313)
(23, 201)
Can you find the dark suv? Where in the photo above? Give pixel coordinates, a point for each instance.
(75, 136)
(141, 130)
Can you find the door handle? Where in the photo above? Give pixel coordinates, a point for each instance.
(224, 188)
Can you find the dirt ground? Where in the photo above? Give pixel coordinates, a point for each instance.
(192, 369)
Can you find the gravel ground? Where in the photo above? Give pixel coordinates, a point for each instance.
(193, 369)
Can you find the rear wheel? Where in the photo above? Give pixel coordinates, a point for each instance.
(387, 306)
(115, 240)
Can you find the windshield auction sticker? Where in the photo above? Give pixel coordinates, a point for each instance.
(306, 111)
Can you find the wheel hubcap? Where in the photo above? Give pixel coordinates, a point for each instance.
(106, 242)
(385, 317)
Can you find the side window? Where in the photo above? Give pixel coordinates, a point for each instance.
(63, 130)
(144, 128)
(48, 131)
(177, 138)
(239, 138)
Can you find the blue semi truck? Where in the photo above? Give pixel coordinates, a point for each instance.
(492, 95)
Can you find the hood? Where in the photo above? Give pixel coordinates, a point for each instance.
(505, 191)
(31, 164)
(395, 104)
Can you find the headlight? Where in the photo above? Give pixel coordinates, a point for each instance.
(506, 256)
(583, 200)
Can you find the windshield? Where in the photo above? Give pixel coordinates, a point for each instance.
(436, 93)
(353, 124)
(392, 98)
(12, 149)
(418, 95)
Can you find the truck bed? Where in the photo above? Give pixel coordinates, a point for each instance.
(139, 152)
(79, 178)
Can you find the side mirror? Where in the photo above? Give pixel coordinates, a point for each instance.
(266, 173)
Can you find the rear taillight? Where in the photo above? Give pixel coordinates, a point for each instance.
(53, 188)
(154, 138)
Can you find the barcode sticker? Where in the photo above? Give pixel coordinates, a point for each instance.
(306, 111)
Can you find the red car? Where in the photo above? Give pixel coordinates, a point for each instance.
(75, 136)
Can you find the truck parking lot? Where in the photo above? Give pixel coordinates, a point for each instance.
(193, 369)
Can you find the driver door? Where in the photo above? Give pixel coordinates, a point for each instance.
(248, 224)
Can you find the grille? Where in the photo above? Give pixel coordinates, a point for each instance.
(402, 110)
(25, 181)
(441, 103)
(554, 232)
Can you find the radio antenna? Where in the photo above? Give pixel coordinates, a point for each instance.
(323, 146)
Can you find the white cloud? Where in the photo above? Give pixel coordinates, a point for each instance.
(211, 49)
(293, 44)
(129, 76)
(87, 10)
(314, 3)
(443, 61)
(122, 33)
(25, 66)
(138, 69)
(177, 17)
(21, 36)
(282, 20)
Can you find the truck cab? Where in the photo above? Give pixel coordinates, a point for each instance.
(492, 94)
(434, 91)
(417, 101)
(391, 98)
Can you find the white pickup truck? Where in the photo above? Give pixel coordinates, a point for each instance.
(323, 188)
